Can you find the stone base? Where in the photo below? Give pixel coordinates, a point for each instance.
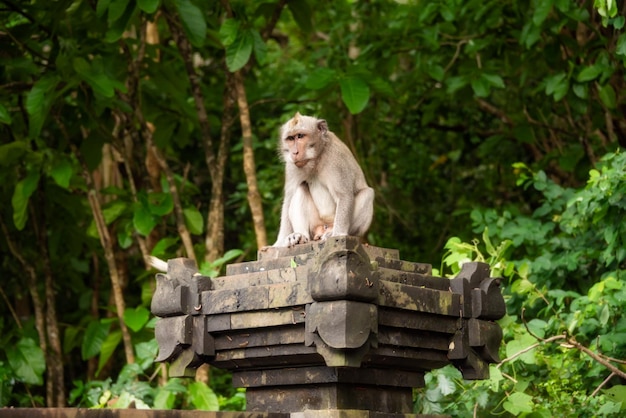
(329, 396)
(321, 388)
(356, 413)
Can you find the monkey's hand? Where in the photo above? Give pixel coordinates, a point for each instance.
(296, 238)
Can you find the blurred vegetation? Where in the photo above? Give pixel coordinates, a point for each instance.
(124, 133)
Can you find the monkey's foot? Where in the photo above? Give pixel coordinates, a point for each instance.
(296, 238)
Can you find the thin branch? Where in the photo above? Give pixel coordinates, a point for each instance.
(601, 385)
(527, 349)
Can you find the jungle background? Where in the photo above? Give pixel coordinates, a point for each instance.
(490, 130)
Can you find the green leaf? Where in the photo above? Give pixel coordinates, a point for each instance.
(193, 21)
(355, 93)
(607, 96)
(436, 71)
(27, 361)
(95, 335)
(116, 10)
(455, 83)
(143, 220)
(61, 172)
(557, 86)
(102, 7)
(5, 117)
(301, 12)
(136, 318)
(542, 10)
(146, 352)
(229, 31)
(159, 250)
(620, 49)
(260, 49)
(238, 53)
(108, 347)
(589, 73)
(531, 33)
(119, 25)
(520, 344)
(164, 399)
(320, 78)
(113, 210)
(98, 81)
(194, 220)
(148, 6)
(494, 80)
(203, 397)
(481, 87)
(616, 393)
(38, 102)
(160, 204)
(21, 195)
(518, 402)
(12, 152)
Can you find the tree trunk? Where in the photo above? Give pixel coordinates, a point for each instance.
(215, 219)
(55, 382)
(254, 197)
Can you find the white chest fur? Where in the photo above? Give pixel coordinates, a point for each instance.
(323, 199)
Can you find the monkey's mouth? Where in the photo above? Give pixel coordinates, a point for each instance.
(301, 163)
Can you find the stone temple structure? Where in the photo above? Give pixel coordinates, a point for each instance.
(333, 328)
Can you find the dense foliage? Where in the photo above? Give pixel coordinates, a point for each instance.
(148, 127)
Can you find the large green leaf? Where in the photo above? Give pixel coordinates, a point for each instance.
(519, 402)
(229, 31)
(238, 53)
(97, 80)
(5, 117)
(108, 347)
(116, 10)
(61, 171)
(160, 204)
(589, 73)
(194, 220)
(301, 12)
(95, 335)
(143, 220)
(119, 24)
(203, 397)
(320, 78)
(148, 6)
(620, 49)
(38, 102)
(136, 318)
(260, 49)
(12, 152)
(193, 21)
(27, 361)
(21, 194)
(355, 93)
(607, 96)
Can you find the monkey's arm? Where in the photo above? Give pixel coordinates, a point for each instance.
(285, 224)
(343, 214)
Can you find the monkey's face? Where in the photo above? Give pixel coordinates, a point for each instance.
(299, 148)
(301, 139)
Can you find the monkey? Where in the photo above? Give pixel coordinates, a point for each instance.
(325, 192)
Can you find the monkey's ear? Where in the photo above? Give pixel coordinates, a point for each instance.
(322, 126)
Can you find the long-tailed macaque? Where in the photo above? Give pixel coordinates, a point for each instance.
(325, 190)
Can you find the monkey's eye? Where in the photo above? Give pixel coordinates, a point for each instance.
(300, 136)
(289, 138)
